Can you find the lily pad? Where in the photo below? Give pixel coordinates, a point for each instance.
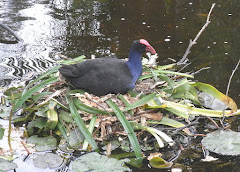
(4, 111)
(43, 143)
(223, 142)
(6, 165)
(95, 162)
(50, 160)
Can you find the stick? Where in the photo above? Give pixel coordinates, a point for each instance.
(191, 43)
(230, 79)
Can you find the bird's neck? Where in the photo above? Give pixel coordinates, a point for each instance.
(135, 64)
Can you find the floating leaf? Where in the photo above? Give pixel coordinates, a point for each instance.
(4, 111)
(217, 94)
(43, 143)
(38, 122)
(7, 165)
(48, 159)
(223, 142)
(158, 162)
(95, 162)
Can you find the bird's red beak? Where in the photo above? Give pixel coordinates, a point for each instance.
(149, 48)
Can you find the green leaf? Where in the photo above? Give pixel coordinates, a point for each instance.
(50, 71)
(80, 106)
(168, 122)
(73, 61)
(129, 130)
(31, 91)
(141, 102)
(4, 111)
(43, 143)
(1, 132)
(184, 110)
(158, 162)
(223, 142)
(81, 125)
(217, 94)
(63, 130)
(95, 162)
(52, 119)
(48, 159)
(7, 165)
(186, 91)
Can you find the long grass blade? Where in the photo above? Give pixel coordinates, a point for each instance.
(141, 102)
(80, 106)
(81, 125)
(129, 130)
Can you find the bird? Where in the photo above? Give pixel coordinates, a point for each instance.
(102, 76)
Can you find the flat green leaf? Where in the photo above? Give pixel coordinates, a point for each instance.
(38, 122)
(129, 130)
(31, 91)
(158, 162)
(7, 165)
(186, 91)
(43, 143)
(95, 162)
(223, 142)
(217, 94)
(65, 116)
(48, 159)
(4, 111)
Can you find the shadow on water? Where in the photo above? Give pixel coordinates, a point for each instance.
(105, 27)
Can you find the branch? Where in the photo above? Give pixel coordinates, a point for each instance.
(191, 43)
(230, 79)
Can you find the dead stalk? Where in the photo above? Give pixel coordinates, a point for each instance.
(230, 79)
(191, 43)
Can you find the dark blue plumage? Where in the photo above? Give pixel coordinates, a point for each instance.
(102, 76)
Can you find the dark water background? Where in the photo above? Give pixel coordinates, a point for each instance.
(105, 27)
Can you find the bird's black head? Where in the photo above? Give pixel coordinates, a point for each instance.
(142, 46)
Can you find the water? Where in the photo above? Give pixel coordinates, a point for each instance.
(105, 27)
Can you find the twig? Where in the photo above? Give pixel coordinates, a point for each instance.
(204, 68)
(230, 79)
(191, 43)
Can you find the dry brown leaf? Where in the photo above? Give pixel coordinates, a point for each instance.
(153, 116)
